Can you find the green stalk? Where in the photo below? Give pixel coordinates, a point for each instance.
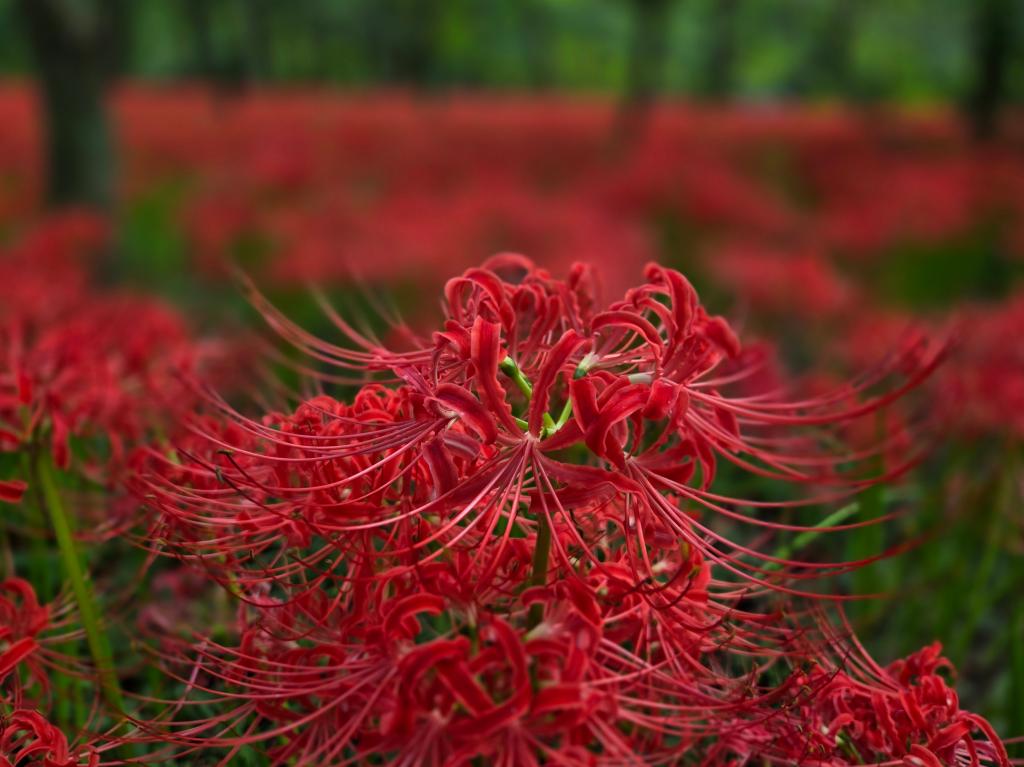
(6, 554)
(542, 552)
(982, 593)
(808, 536)
(539, 573)
(99, 646)
(563, 418)
(509, 367)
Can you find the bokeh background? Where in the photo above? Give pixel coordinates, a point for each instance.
(826, 172)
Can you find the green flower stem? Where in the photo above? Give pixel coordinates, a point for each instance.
(539, 573)
(542, 551)
(509, 367)
(6, 553)
(563, 417)
(807, 537)
(99, 646)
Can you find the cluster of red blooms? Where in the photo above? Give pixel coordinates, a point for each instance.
(985, 384)
(507, 548)
(79, 366)
(30, 634)
(330, 183)
(26, 738)
(85, 375)
(791, 213)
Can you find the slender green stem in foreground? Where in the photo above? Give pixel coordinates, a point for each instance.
(99, 646)
(539, 574)
(807, 537)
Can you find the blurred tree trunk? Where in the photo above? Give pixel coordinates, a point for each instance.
(259, 44)
(836, 48)
(645, 66)
(533, 27)
(826, 69)
(720, 59)
(203, 62)
(993, 34)
(412, 32)
(74, 45)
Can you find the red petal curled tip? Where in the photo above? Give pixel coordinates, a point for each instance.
(463, 404)
(12, 490)
(32, 639)
(26, 737)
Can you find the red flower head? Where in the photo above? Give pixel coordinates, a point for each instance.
(849, 710)
(30, 634)
(26, 738)
(534, 412)
(84, 373)
(505, 545)
(401, 668)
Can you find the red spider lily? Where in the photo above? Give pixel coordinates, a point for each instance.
(45, 271)
(533, 409)
(392, 554)
(29, 636)
(396, 671)
(87, 373)
(92, 373)
(26, 738)
(781, 283)
(983, 387)
(852, 711)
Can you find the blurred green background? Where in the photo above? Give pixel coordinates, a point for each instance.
(752, 50)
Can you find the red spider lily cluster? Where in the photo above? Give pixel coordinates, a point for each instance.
(400, 188)
(985, 384)
(97, 370)
(506, 546)
(26, 738)
(30, 634)
(85, 375)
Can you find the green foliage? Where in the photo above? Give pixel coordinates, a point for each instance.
(910, 51)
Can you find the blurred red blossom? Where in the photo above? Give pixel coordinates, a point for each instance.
(27, 738)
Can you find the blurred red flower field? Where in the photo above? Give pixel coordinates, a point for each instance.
(390, 429)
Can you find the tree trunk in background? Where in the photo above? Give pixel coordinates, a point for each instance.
(259, 46)
(411, 46)
(993, 33)
(837, 49)
(720, 61)
(534, 33)
(73, 46)
(826, 70)
(198, 13)
(644, 69)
